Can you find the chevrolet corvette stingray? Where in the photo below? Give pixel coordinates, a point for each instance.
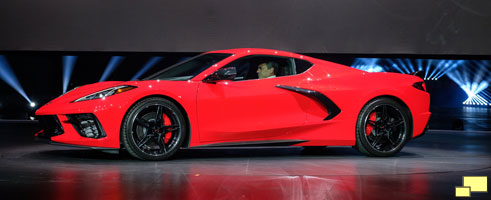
(219, 99)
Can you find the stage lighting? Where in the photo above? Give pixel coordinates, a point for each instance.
(434, 69)
(68, 64)
(368, 65)
(474, 82)
(7, 75)
(146, 67)
(373, 68)
(449, 66)
(111, 66)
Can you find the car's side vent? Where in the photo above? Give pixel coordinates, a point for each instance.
(332, 109)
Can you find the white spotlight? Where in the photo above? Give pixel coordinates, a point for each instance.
(32, 104)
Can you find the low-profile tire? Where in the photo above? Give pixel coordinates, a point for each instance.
(383, 128)
(153, 129)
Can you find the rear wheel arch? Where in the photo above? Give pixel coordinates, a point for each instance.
(187, 137)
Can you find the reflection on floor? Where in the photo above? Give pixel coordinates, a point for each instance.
(469, 118)
(428, 168)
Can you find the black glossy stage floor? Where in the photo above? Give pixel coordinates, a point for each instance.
(429, 167)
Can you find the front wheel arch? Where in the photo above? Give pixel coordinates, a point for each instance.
(187, 137)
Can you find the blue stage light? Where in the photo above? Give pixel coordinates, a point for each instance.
(7, 75)
(419, 63)
(68, 65)
(427, 67)
(370, 68)
(437, 67)
(111, 66)
(449, 67)
(146, 67)
(471, 78)
(368, 64)
(434, 69)
(401, 64)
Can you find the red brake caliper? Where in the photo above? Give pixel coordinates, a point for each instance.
(167, 122)
(369, 128)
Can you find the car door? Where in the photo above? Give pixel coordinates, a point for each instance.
(250, 108)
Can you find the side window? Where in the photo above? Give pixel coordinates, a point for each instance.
(262, 66)
(302, 66)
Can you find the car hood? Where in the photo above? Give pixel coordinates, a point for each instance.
(85, 90)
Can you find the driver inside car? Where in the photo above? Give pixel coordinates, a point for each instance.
(267, 70)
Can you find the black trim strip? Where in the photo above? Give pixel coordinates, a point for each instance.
(332, 109)
(253, 143)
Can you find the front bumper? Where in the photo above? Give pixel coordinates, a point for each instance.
(107, 114)
(61, 128)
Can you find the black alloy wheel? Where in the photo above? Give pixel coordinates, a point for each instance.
(153, 129)
(383, 128)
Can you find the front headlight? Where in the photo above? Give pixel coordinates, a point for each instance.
(107, 92)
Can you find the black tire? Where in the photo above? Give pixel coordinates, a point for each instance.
(386, 133)
(144, 133)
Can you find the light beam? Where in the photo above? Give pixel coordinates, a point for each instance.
(368, 64)
(68, 65)
(111, 66)
(146, 67)
(7, 75)
(473, 79)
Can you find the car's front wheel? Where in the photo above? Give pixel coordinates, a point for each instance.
(153, 129)
(383, 128)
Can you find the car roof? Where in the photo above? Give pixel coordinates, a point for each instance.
(258, 51)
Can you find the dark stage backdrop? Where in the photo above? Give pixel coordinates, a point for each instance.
(437, 27)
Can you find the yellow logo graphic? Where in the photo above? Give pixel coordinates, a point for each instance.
(472, 184)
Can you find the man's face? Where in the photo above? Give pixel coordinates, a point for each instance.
(263, 71)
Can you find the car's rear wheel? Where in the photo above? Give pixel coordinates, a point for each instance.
(383, 128)
(153, 129)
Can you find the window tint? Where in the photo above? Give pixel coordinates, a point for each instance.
(247, 67)
(302, 66)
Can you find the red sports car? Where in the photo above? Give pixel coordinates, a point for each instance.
(243, 97)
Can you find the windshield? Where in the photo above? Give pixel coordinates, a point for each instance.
(188, 69)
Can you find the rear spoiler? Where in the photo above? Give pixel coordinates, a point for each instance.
(419, 74)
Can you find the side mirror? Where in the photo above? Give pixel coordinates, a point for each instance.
(221, 74)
